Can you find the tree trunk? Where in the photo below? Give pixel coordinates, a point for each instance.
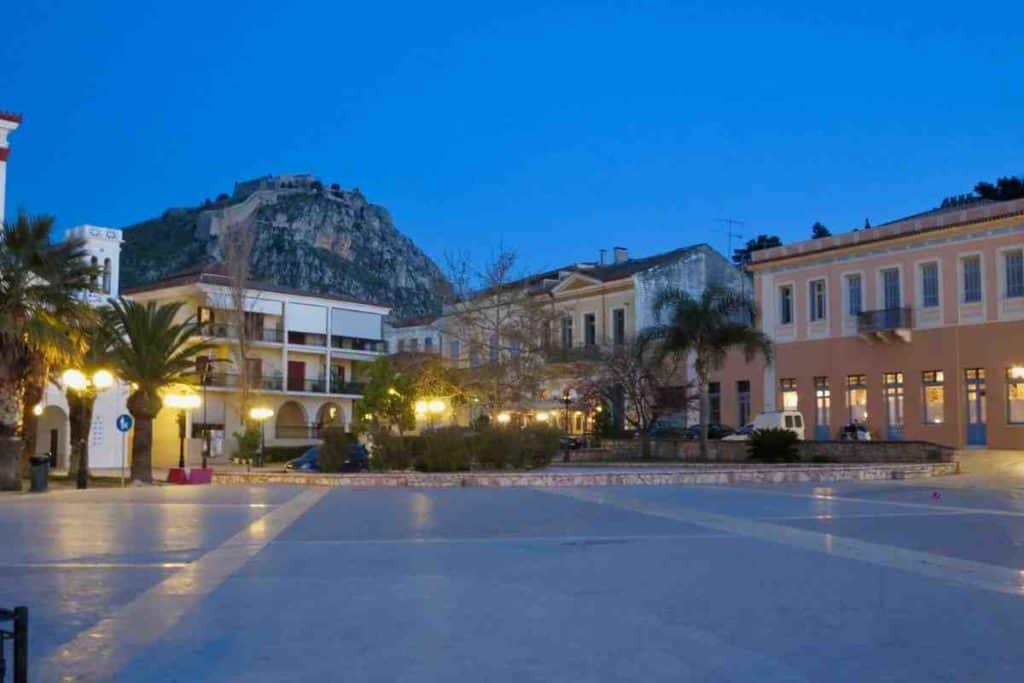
(705, 406)
(11, 443)
(144, 407)
(79, 423)
(30, 421)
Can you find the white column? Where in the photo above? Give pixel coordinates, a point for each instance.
(8, 123)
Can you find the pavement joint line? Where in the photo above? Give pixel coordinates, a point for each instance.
(872, 515)
(100, 651)
(94, 565)
(850, 499)
(950, 569)
(505, 539)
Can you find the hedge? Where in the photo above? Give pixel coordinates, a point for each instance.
(457, 449)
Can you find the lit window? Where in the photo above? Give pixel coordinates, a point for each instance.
(892, 384)
(934, 397)
(1014, 263)
(785, 305)
(972, 279)
(1015, 395)
(857, 397)
(929, 285)
(819, 305)
(822, 401)
(790, 398)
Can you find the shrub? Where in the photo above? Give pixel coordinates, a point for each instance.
(540, 446)
(491, 447)
(444, 450)
(283, 453)
(392, 452)
(773, 445)
(247, 443)
(335, 449)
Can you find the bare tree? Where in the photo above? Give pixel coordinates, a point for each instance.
(236, 244)
(503, 322)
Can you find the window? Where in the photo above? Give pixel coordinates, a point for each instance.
(819, 306)
(619, 326)
(514, 347)
(974, 378)
(854, 299)
(589, 329)
(474, 358)
(891, 297)
(934, 397)
(566, 333)
(428, 344)
(789, 395)
(204, 314)
(785, 305)
(1013, 262)
(1015, 395)
(492, 348)
(545, 334)
(106, 276)
(454, 348)
(929, 285)
(414, 345)
(892, 383)
(743, 402)
(95, 263)
(714, 403)
(822, 402)
(857, 397)
(972, 279)
(401, 345)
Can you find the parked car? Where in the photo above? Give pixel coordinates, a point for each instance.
(714, 432)
(357, 460)
(741, 434)
(573, 443)
(854, 431)
(781, 419)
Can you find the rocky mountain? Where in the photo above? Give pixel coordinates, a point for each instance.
(324, 240)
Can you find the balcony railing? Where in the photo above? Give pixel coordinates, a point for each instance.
(351, 388)
(885, 320)
(358, 344)
(314, 386)
(573, 354)
(225, 380)
(230, 331)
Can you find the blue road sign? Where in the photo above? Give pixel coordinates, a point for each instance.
(124, 423)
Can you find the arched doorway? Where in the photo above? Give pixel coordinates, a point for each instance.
(52, 435)
(330, 415)
(291, 422)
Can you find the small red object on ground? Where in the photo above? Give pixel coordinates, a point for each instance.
(177, 475)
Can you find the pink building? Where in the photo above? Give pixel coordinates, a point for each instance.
(915, 328)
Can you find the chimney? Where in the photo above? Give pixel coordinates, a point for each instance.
(8, 123)
(621, 254)
(603, 252)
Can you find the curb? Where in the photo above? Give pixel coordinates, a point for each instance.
(710, 476)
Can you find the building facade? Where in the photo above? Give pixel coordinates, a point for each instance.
(914, 328)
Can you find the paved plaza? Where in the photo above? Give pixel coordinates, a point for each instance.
(914, 580)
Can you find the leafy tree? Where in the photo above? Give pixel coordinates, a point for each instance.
(388, 399)
(741, 257)
(1010, 187)
(94, 343)
(151, 351)
(39, 305)
(709, 327)
(818, 230)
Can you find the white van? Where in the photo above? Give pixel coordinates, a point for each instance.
(781, 419)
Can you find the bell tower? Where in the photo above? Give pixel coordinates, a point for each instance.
(8, 123)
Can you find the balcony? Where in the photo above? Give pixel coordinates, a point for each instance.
(887, 324)
(347, 388)
(230, 331)
(224, 380)
(311, 386)
(573, 354)
(359, 345)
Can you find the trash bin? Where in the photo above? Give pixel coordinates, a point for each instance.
(40, 472)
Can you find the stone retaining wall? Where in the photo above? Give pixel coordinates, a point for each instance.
(707, 474)
(686, 450)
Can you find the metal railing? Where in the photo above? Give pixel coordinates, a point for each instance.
(354, 388)
(885, 319)
(230, 331)
(358, 344)
(227, 380)
(573, 354)
(18, 635)
(314, 386)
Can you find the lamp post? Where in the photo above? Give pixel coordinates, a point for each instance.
(183, 402)
(87, 389)
(568, 396)
(261, 414)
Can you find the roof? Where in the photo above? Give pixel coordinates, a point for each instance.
(942, 218)
(609, 272)
(417, 321)
(10, 116)
(216, 274)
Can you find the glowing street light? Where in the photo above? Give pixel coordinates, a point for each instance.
(87, 388)
(261, 414)
(504, 418)
(182, 402)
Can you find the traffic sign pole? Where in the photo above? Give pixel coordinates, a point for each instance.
(123, 424)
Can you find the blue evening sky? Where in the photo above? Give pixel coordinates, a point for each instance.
(554, 128)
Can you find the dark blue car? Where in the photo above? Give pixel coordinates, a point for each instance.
(357, 461)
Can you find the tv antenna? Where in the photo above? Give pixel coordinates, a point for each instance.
(732, 228)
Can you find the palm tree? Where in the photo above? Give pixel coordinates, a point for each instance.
(709, 327)
(40, 287)
(150, 351)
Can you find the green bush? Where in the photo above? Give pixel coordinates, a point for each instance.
(540, 446)
(773, 445)
(283, 453)
(247, 443)
(445, 450)
(334, 449)
(392, 452)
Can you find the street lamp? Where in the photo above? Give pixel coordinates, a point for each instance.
(568, 396)
(87, 388)
(504, 418)
(261, 414)
(182, 402)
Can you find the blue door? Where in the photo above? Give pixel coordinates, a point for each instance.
(976, 415)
